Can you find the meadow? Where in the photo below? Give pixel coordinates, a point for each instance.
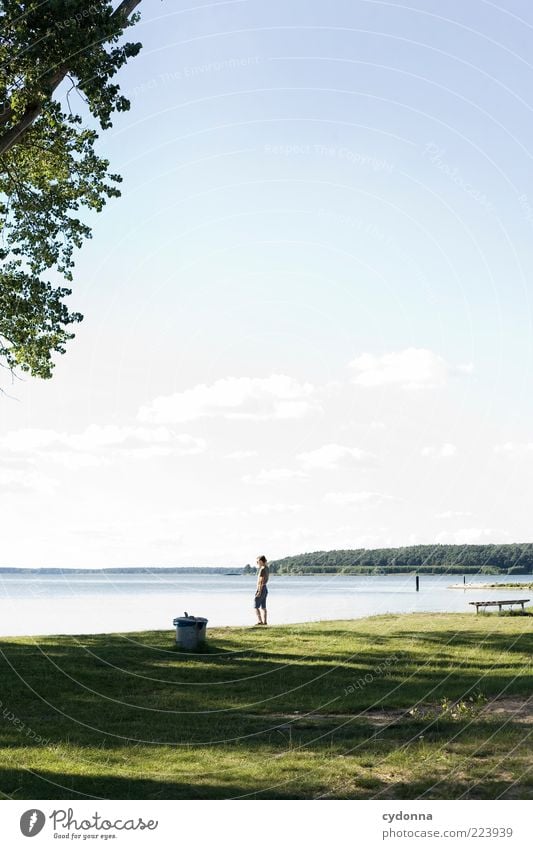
(434, 706)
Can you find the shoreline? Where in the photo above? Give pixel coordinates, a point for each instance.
(503, 586)
(247, 627)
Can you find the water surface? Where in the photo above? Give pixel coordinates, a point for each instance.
(97, 603)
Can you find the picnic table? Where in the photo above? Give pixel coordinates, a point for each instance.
(500, 604)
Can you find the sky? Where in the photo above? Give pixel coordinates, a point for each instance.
(308, 318)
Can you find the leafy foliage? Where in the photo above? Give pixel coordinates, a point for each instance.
(49, 168)
(450, 709)
(423, 558)
(32, 321)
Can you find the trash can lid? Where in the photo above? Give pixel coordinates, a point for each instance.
(188, 621)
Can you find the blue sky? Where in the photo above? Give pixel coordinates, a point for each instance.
(308, 318)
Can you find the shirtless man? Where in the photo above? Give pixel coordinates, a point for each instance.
(261, 591)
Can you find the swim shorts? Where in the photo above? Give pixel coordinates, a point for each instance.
(261, 599)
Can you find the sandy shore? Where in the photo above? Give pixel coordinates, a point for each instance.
(528, 586)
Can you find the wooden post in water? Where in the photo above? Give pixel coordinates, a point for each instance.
(417, 583)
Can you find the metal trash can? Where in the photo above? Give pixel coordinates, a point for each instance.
(190, 631)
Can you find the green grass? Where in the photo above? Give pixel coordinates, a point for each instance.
(357, 709)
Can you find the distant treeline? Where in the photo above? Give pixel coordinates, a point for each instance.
(126, 570)
(510, 559)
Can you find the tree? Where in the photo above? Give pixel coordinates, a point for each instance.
(49, 168)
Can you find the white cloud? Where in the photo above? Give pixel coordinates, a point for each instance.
(515, 449)
(297, 539)
(74, 460)
(358, 424)
(266, 509)
(465, 368)
(447, 449)
(274, 397)
(204, 512)
(273, 476)
(17, 480)
(332, 456)
(182, 445)
(342, 498)
(240, 455)
(99, 444)
(413, 368)
(452, 514)
(470, 536)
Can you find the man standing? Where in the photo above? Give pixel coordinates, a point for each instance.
(261, 591)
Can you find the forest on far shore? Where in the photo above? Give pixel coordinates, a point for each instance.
(508, 559)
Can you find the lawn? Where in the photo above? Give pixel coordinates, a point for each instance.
(397, 706)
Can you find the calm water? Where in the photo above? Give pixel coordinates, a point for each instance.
(84, 604)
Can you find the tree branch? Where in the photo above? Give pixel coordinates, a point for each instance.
(33, 110)
(11, 137)
(125, 8)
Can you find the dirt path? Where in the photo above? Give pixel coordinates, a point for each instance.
(502, 708)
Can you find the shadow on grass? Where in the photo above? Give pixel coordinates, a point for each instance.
(23, 784)
(491, 642)
(527, 612)
(126, 689)
(44, 784)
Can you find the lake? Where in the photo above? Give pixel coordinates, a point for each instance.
(96, 603)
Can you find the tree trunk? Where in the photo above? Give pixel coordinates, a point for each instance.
(10, 137)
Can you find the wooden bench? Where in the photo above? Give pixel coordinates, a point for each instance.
(500, 604)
